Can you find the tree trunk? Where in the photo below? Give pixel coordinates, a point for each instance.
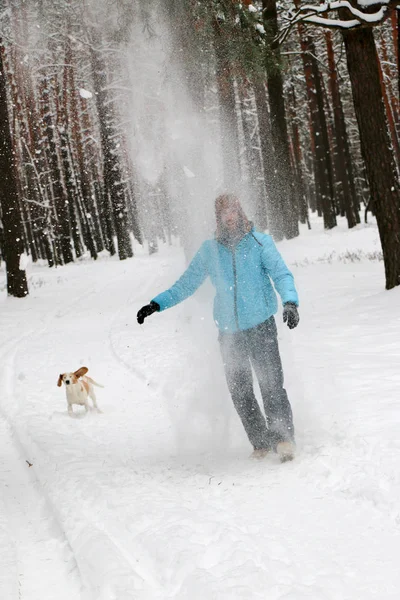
(35, 166)
(389, 72)
(19, 130)
(227, 109)
(182, 25)
(91, 230)
(70, 185)
(114, 187)
(344, 168)
(88, 173)
(74, 189)
(280, 138)
(188, 68)
(62, 228)
(252, 152)
(297, 160)
(319, 132)
(390, 114)
(363, 67)
(11, 216)
(395, 16)
(273, 214)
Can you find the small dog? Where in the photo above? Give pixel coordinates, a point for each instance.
(79, 387)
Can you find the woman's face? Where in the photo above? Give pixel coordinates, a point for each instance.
(230, 217)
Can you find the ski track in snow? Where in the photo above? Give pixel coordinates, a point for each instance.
(36, 556)
(145, 507)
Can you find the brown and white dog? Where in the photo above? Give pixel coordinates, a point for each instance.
(79, 388)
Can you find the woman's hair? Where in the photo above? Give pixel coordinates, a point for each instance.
(227, 200)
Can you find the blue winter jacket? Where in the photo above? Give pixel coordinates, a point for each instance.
(242, 278)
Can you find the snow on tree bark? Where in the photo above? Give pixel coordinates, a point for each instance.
(288, 207)
(11, 215)
(113, 185)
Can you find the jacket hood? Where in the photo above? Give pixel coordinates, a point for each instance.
(244, 226)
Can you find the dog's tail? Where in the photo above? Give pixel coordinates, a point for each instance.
(92, 381)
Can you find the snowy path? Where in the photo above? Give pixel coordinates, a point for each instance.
(35, 557)
(36, 561)
(156, 498)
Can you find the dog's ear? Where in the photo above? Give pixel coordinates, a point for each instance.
(81, 372)
(59, 382)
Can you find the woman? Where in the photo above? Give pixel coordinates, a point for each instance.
(241, 263)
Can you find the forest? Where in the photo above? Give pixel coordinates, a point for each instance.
(121, 120)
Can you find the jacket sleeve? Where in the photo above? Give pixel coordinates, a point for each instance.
(186, 285)
(276, 268)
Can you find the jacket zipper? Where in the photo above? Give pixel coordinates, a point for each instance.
(235, 289)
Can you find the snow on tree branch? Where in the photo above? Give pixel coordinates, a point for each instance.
(338, 14)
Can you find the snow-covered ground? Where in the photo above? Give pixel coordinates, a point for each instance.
(156, 497)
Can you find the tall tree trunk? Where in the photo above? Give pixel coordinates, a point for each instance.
(11, 215)
(273, 214)
(36, 165)
(131, 195)
(252, 151)
(190, 71)
(19, 147)
(280, 138)
(297, 159)
(389, 71)
(75, 191)
(363, 67)
(182, 25)
(319, 131)
(91, 229)
(227, 108)
(64, 132)
(390, 115)
(62, 227)
(88, 173)
(114, 187)
(344, 167)
(395, 18)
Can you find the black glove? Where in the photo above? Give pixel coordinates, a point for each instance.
(146, 311)
(291, 315)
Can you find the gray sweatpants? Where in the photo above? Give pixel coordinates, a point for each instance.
(258, 347)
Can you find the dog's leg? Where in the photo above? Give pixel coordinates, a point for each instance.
(70, 411)
(94, 399)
